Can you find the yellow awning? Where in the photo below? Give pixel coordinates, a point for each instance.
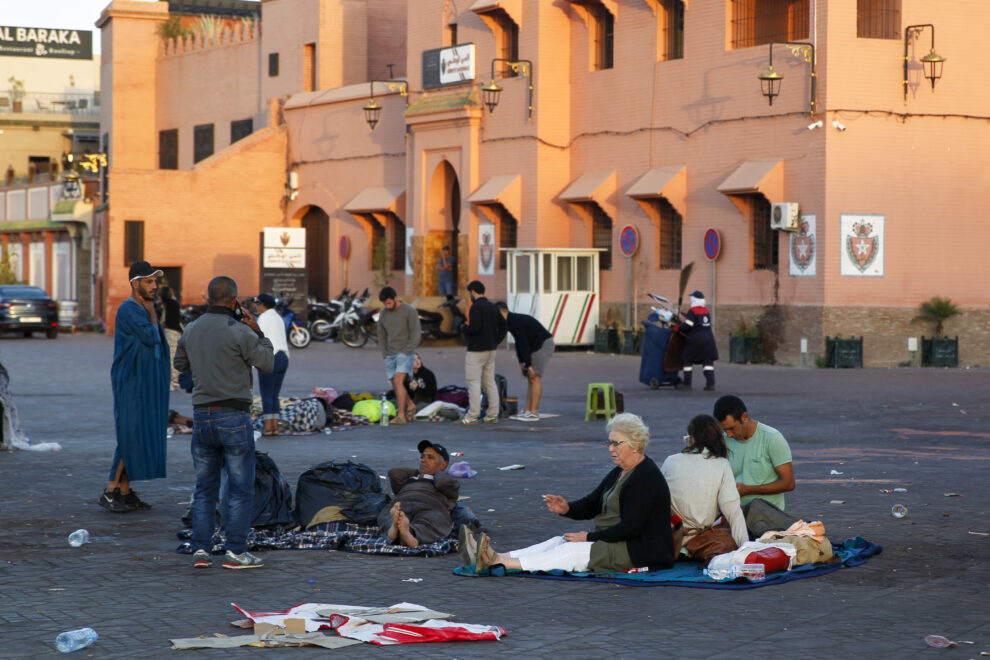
(505, 189)
(590, 187)
(757, 176)
(379, 200)
(667, 182)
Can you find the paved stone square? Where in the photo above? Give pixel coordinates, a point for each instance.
(923, 430)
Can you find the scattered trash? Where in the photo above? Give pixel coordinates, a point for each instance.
(953, 494)
(887, 491)
(836, 472)
(456, 453)
(979, 533)
(515, 466)
(837, 502)
(898, 510)
(462, 469)
(74, 640)
(491, 511)
(413, 580)
(955, 404)
(311, 581)
(78, 538)
(940, 642)
(257, 436)
(900, 490)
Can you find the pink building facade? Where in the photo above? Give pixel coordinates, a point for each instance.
(644, 113)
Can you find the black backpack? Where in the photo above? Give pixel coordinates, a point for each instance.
(353, 487)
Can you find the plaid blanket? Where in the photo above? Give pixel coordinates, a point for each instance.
(340, 535)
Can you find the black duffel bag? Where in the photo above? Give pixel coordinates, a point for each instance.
(353, 488)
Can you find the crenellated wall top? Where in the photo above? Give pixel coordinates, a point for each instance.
(239, 34)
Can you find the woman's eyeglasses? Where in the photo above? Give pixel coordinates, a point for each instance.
(614, 443)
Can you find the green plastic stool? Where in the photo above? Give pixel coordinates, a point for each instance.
(591, 408)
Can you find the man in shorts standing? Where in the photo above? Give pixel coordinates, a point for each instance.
(399, 334)
(534, 348)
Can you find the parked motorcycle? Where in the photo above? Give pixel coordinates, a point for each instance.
(350, 323)
(321, 316)
(431, 322)
(297, 333)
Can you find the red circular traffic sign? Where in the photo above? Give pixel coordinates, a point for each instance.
(345, 247)
(713, 244)
(628, 240)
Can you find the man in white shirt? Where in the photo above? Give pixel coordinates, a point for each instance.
(273, 327)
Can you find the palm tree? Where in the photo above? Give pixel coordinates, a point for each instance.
(937, 311)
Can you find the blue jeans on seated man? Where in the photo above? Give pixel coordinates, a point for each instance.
(271, 384)
(222, 442)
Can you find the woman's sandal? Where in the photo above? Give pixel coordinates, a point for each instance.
(467, 546)
(411, 415)
(486, 556)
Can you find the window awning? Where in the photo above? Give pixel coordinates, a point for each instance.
(590, 187)
(667, 182)
(757, 176)
(388, 199)
(504, 189)
(511, 7)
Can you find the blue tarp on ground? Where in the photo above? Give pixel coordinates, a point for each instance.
(852, 552)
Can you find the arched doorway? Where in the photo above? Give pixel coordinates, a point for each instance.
(317, 226)
(443, 224)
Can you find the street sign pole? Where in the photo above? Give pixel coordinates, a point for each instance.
(713, 247)
(628, 244)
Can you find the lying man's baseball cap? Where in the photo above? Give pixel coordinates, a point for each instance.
(440, 449)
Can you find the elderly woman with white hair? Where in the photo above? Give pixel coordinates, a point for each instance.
(630, 507)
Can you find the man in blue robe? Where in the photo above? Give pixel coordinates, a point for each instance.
(140, 379)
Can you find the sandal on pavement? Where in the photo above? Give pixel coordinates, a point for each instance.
(467, 546)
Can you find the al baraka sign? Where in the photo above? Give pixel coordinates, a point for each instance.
(46, 42)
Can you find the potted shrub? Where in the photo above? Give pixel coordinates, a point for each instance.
(745, 344)
(16, 93)
(607, 338)
(843, 351)
(939, 351)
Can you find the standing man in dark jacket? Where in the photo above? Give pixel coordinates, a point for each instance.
(699, 342)
(534, 348)
(485, 331)
(220, 347)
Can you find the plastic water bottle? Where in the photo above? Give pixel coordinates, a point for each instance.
(383, 420)
(752, 572)
(898, 510)
(74, 640)
(78, 538)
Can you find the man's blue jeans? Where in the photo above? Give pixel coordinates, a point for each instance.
(222, 441)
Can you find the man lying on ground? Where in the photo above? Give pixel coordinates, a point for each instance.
(761, 463)
(420, 512)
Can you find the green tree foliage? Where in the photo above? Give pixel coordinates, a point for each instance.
(937, 311)
(381, 262)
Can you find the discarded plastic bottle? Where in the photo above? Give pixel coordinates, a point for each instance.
(383, 420)
(898, 510)
(74, 640)
(752, 572)
(78, 538)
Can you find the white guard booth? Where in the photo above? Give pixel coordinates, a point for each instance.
(558, 287)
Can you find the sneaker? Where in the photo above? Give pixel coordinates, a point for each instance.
(528, 415)
(201, 559)
(243, 560)
(114, 501)
(490, 420)
(464, 421)
(137, 504)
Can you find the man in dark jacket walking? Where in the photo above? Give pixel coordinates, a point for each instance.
(485, 331)
(534, 348)
(699, 342)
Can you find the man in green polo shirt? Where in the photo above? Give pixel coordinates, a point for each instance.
(761, 463)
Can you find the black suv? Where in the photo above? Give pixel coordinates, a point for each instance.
(27, 309)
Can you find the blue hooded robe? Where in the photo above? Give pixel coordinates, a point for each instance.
(140, 379)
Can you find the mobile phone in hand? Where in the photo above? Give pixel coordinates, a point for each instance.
(238, 312)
